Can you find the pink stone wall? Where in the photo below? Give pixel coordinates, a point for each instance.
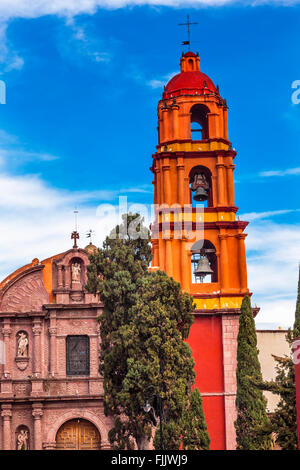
(230, 328)
(35, 391)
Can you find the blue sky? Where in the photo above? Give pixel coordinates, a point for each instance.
(79, 127)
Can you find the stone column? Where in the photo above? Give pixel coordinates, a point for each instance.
(221, 187)
(6, 385)
(167, 181)
(213, 127)
(37, 349)
(6, 413)
(59, 276)
(37, 413)
(169, 258)
(230, 184)
(242, 262)
(223, 261)
(185, 265)
(161, 251)
(186, 191)
(67, 277)
(164, 126)
(52, 333)
(155, 260)
(175, 122)
(225, 117)
(180, 180)
(230, 329)
(6, 331)
(158, 183)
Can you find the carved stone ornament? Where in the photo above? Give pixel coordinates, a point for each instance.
(22, 362)
(76, 297)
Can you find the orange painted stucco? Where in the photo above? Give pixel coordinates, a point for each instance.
(178, 226)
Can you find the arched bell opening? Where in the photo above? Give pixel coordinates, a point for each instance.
(200, 186)
(190, 65)
(199, 122)
(204, 262)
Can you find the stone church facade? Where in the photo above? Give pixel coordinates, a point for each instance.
(51, 393)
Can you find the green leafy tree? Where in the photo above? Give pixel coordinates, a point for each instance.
(143, 326)
(251, 404)
(284, 419)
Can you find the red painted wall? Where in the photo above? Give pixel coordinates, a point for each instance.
(205, 340)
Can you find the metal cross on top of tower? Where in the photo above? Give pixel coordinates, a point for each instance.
(188, 24)
(75, 234)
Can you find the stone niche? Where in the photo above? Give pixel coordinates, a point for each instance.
(70, 277)
(22, 349)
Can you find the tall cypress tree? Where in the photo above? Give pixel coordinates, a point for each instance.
(250, 402)
(144, 324)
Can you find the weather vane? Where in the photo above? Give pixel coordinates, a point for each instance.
(89, 235)
(188, 24)
(75, 234)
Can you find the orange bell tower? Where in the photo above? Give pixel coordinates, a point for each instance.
(196, 237)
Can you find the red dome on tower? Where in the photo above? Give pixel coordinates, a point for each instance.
(190, 80)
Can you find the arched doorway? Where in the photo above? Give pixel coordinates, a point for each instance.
(78, 434)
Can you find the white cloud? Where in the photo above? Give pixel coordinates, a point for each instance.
(12, 153)
(159, 83)
(288, 171)
(36, 219)
(23, 156)
(36, 8)
(9, 59)
(265, 215)
(16, 63)
(273, 254)
(86, 45)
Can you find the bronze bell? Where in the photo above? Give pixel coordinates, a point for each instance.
(201, 194)
(203, 268)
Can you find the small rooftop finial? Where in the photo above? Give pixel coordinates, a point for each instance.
(188, 24)
(75, 234)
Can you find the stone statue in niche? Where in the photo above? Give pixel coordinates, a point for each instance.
(22, 440)
(76, 272)
(22, 345)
